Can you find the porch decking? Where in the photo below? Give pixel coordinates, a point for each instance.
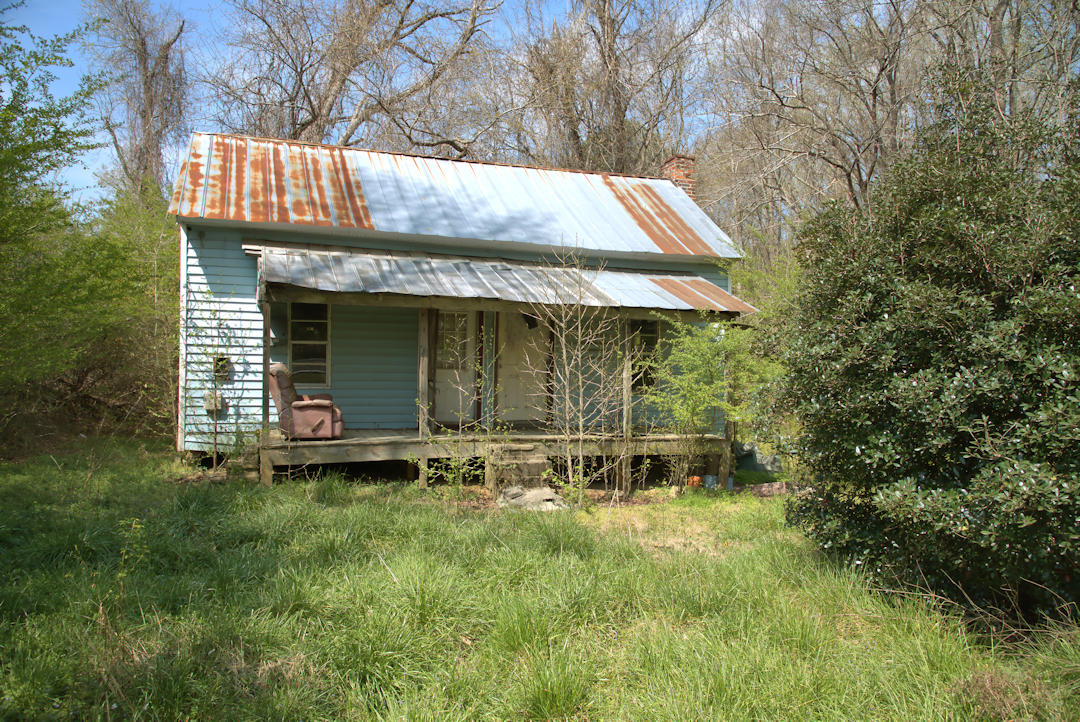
(407, 444)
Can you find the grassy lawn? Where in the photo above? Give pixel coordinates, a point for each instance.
(127, 595)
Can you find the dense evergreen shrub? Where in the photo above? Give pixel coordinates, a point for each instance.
(934, 349)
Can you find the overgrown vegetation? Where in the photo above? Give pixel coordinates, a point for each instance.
(129, 595)
(706, 373)
(87, 297)
(933, 358)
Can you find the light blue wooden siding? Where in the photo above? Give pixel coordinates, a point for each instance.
(373, 365)
(373, 350)
(716, 274)
(220, 317)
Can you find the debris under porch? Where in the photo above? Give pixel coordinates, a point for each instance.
(509, 457)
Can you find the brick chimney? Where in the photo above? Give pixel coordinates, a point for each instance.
(680, 169)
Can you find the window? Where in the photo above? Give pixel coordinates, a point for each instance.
(644, 337)
(451, 340)
(222, 369)
(309, 343)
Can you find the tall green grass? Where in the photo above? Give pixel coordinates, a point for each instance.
(127, 596)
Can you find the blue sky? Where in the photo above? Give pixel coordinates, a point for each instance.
(56, 17)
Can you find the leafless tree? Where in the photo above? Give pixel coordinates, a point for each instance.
(1031, 49)
(833, 82)
(143, 106)
(812, 100)
(578, 372)
(344, 72)
(606, 86)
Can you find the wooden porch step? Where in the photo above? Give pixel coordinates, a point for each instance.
(515, 464)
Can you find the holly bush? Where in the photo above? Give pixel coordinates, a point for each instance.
(934, 349)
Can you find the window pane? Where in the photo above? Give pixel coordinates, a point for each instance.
(309, 311)
(646, 334)
(309, 363)
(309, 330)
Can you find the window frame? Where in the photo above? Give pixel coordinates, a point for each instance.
(289, 333)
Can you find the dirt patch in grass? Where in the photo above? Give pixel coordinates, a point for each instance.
(477, 497)
(643, 497)
(998, 696)
(713, 527)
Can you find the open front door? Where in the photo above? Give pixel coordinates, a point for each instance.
(524, 343)
(455, 368)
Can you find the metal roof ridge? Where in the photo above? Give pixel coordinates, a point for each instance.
(243, 136)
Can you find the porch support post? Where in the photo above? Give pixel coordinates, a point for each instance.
(266, 469)
(425, 386)
(623, 475)
(265, 307)
(422, 476)
(491, 473)
(425, 372)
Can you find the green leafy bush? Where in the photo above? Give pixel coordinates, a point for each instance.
(933, 349)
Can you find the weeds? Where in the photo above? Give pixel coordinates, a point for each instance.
(128, 596)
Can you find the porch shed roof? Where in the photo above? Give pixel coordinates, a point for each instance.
(264, 183)
(419, 274)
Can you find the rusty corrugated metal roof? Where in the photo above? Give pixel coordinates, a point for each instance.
(274, 182)
(423, 274)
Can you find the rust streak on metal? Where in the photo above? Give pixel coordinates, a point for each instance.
(725, 299)
(259, 183)
(217, 179)
(298, 180)
(280, 207)
(178, 190)
(320, 215)
(674, 223)
(196, 178)
(354, 194)
(686, 294)
(240, 180)
(252, 180)
(335, 194)
(657, 234)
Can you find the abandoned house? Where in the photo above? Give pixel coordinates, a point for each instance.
(344, 305)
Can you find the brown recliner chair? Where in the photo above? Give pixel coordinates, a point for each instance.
(303, 417)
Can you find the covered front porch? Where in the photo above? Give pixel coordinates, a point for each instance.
(437, 357)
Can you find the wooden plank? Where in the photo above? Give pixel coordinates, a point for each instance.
(422, 477)
(405, 448)
(265, 368)
(266, 468)
(181, 387)
(520, 437)
(423, 371)
(432, 340)
(623, 478)
(478, 362)
(491, 476)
